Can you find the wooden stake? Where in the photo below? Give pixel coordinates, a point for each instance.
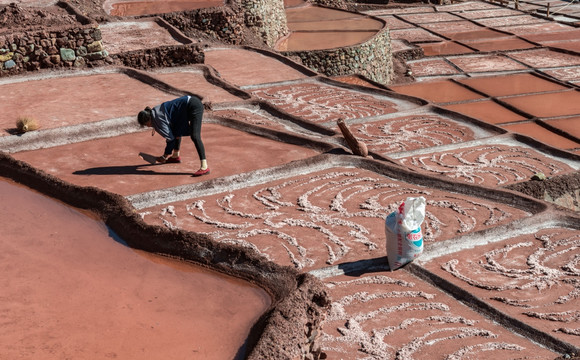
(357, 147)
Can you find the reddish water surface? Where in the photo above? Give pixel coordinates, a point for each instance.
(438, 91)
(548, 105)
(315, 28)
(70, 290)
(569, 125)
(542, 134)
(516, 84)
(486, 110)
(133, 8)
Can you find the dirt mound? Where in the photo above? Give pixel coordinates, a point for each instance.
(13, 16)
(561, 190)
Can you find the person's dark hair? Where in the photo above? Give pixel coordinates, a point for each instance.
(144, 116)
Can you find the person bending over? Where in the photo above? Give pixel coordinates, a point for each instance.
(172, 120)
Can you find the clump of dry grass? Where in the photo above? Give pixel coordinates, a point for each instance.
(26, 123)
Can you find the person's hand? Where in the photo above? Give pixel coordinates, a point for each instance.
(161, 159)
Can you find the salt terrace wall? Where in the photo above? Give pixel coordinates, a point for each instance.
(52, 48)
(223, 23)
(267, 18)
(373, 59)
(288, 330)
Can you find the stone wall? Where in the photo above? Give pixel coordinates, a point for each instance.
(373, 59)
(266, 18)
(223, 23)
(338, 4)
(52, 48)
(163, 56)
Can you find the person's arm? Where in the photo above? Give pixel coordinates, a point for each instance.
(161, 125)
(169, 146)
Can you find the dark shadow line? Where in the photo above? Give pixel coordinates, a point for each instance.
(125, 170)
(361, 267)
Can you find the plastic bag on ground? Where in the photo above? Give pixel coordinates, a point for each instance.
(403, 230)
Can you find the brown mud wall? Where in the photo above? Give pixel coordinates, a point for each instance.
(288, 330)
(560, 190)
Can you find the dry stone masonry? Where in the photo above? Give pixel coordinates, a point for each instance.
(373, 59)
(64, 47)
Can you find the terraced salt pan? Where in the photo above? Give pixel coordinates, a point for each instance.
(316, 212)
(531, 277)
(397, 11)
(512, 84)
(540, 133)
(501, 44)
(490, 162)
(414, 35)
(133, 8)
(545, 58)
(444, 91)
(271, 69)
(305, 41)
(417, 130)
(123, 36)
(556, 104)
(571, 74)
(511, 21)
(395, 315)
(72, 289)
(319, 102)
(486, 110)
(432, 67)
(429, 17)
(113, 163)
(485, 63)
(394, 23)
(196, 80)
(452, 27)
(256, 115)
(444, 48)
(476, 34)
(69, 98)
(536, 29)
(489, 13)
(569, 125)
(315, 28)
(468, 5)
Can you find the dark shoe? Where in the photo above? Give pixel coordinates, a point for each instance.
(201, 172)
(173, 160)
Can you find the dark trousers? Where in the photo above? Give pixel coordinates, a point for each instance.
(195, 110)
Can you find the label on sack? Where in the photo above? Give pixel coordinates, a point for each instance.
(403, 231)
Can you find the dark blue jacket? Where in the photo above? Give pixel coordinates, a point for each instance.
(171, 120)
